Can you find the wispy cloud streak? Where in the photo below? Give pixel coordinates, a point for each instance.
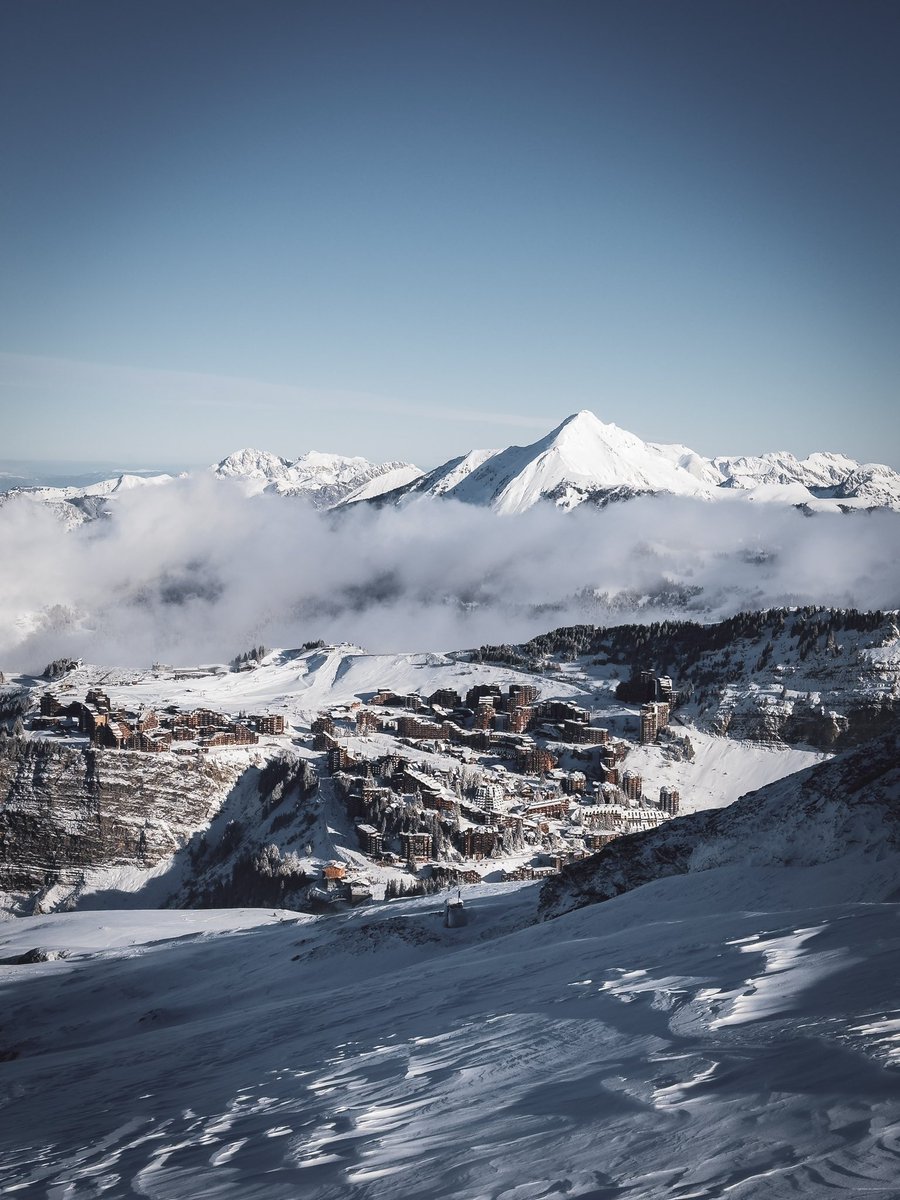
(29, 374)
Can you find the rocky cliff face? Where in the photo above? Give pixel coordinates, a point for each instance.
(848, 805)
(804, 722)
(63, 809)
(67, 811)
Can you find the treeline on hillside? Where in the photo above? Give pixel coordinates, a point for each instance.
(260, 877)
(242, 868)
(15, 746)
(677, 646)
(13, 703)
(282, 776)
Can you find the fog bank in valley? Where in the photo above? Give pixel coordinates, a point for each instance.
(195, 571)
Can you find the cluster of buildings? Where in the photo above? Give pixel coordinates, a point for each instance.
(519, 776)
(117, 728)
(485, 720)
(339, 883)
(645, 687)
(656, 696)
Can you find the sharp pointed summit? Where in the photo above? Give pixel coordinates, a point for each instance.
(582, 460)
(583, 423)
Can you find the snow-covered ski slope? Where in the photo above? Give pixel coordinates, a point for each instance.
(301, 681)
(733, 1033)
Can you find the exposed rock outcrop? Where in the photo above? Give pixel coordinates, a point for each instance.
(819, 677)
(62, 809)
(67, 811)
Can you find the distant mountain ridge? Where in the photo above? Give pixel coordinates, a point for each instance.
(326, 480)
(582, 461)
(76, 504)
(585, 460)
(817, 471)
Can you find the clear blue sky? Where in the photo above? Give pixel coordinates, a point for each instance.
(402, 229)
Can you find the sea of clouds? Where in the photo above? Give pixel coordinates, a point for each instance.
(196, 571)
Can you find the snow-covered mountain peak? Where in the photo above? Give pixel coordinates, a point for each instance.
(323, 479)
(252, 464)
(334, 464)
(582, 459)
(580, 425)
(583, 440)
(586, 460)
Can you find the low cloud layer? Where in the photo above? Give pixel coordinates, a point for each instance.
(196, 572)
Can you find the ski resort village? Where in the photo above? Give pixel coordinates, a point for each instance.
(327, 777)
(491, 782)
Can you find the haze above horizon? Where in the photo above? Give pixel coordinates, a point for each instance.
(404, 230)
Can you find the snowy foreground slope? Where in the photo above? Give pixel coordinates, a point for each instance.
(731, 1032)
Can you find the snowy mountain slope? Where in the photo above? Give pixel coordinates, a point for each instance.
(731, 1032)
(847, 805)
(811, 676)
(582, 459)
(683, 457)
(440, 481)
(586, 460)
(73, 505)
(393, 476)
